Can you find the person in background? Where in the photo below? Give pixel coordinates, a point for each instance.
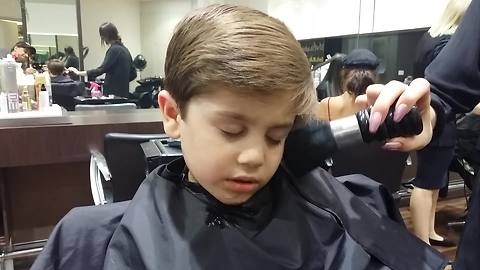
(64, 89)
(357, 74)
(117, 65)
(434, 160)
(57, 71)
(71, 59)
(22, 52)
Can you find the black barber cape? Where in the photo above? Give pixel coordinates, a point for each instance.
(313, 222)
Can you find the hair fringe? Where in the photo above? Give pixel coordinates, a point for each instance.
(450, 18)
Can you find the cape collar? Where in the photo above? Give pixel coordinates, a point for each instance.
(251, 216)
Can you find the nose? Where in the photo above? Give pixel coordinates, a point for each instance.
(252, 156)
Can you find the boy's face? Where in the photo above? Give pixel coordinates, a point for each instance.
(233, 143)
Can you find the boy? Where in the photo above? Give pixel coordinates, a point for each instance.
(64, 89)
(236, 81)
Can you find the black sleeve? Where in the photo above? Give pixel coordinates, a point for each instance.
(68, 62)
(110, 59)
(455, 74)
(72, 61)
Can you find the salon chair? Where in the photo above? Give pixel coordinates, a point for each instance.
(160, 151)
(145, 95)
(383, 166)
(116, 175)
(331, 84)
(468, 251)
(63, 94)
(466, 160)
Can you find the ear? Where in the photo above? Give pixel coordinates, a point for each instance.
(171, 114)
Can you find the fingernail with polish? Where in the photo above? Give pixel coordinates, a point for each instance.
(400, 112)
(375, 120)
(392, 146)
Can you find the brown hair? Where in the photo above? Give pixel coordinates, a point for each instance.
(56, 67)
(356, 80)
(109, 33)
(240, 48)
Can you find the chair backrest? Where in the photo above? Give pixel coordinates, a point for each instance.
(383, 166)
(63, 93)
(330, 84)
(106, 107)
(126, 162)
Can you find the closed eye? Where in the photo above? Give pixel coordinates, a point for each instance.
(231, 132)
(273, 141)
(277, 135)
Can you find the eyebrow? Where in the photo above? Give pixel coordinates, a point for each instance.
(227, 114)
(240, 117)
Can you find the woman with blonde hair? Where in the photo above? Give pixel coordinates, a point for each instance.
(435, 158)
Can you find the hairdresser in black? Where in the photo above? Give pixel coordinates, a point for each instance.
(455, 79)
(453, 86)
(434, 160)
(117, 65)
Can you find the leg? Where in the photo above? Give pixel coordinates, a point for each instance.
(421, 208)
(432, 233)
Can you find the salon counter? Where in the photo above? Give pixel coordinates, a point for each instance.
(45, 169)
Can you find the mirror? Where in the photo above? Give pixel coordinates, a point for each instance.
(51, 27)
(11, 27)
(323, 27)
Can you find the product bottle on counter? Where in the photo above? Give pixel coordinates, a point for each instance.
(43, 99)
(39, 80)
(29, 82)
(8, 75)
(48, 85)
(3, 103)
(95, 90)
(26, 100)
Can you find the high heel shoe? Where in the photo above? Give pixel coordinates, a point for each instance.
(442, 243)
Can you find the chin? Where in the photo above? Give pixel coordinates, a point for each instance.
(236, 200)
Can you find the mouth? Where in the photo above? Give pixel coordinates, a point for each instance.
(242, 184)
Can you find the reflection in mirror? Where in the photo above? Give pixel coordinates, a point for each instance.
(52, 27)
(10, 24)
